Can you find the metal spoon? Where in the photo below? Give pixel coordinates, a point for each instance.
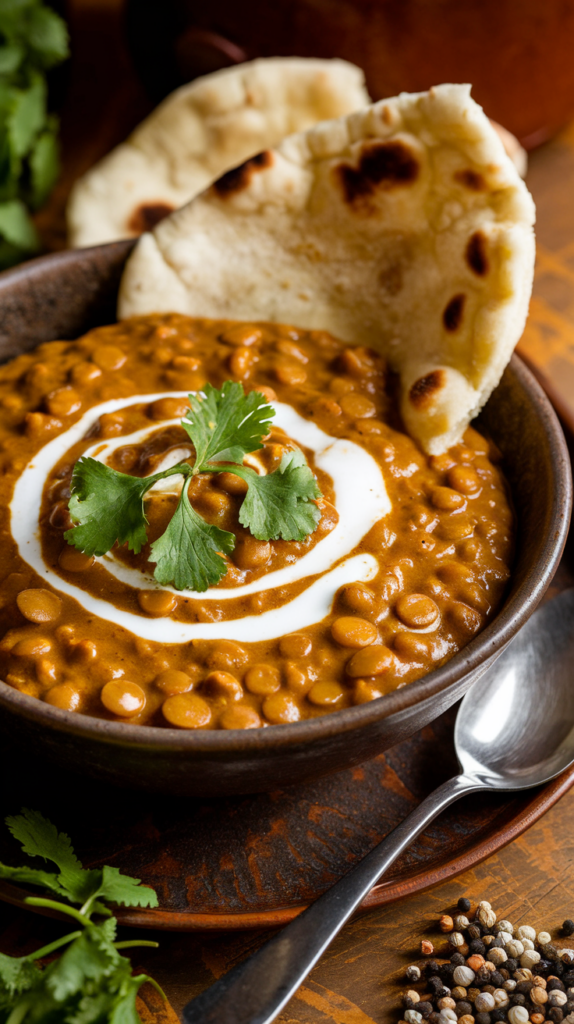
(514, 729)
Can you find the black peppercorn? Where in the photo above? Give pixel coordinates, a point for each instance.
(555, 1015)
(497, 979)
(511, 965)
(568, 927)
(481, 977)
(463, 1008)
(473, 931)
(517, 999)
(476, 946)
(431, 968)
(424, 1008)
(434, 1018)
(446, 973)
(568, 1007)
(568, 978)
(524, 987)
(464, 905)
(497, 1015)
(482, 1018)
(544, 967)
(457, 959)
(434, 982)
(555, 983)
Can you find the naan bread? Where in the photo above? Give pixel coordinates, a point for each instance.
(201, 131)
(404, 227)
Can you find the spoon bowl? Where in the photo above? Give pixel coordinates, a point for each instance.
(515, 727)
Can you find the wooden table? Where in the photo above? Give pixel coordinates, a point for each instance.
(359, 980)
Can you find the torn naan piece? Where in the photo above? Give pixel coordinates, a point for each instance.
(201, 131)
(404, 227)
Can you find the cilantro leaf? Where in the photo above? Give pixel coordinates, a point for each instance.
(226, 424)
(92, 957)
(44, 163)
(17, 973)
(280, 504)
(48, 36)
(27, 115)
(39, 838)
(116, 887)
(109, 508)
(16, 226)
(32, 876)
(188, 553)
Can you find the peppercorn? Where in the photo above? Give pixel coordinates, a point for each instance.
(431, 968)
(497, 1015)
(427, 948)
(476, 946)
(413, 973)
(568, 927)
(474, 931)
(555, 1014)
(511, 965)
(434, 982)
(457, 959)
(482, 1018)
(496, 979)
(517, 999)
(555, 983)
(463, 1007)
(425, 1008)
(446, 923)
(464, 905)
(524, 987)
(447, 972)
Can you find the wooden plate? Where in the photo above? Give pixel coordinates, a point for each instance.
(257, 861)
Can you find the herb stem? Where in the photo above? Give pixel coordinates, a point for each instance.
(38, 901)
(53, 946)
(19, 1012)
(135, 942)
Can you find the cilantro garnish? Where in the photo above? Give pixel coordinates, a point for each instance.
(91, 982)
(223, 425)
(33, 38)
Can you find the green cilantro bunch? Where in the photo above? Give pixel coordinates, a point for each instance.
(91, 982)
(33, 39)
(223, 425)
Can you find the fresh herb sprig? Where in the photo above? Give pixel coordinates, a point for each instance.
(91, 982)
(223, 426)
(33, 39)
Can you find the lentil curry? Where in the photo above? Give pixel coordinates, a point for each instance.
(408, 562)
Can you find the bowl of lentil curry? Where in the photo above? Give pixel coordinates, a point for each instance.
(254, 711)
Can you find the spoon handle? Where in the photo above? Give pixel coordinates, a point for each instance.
(256, 990)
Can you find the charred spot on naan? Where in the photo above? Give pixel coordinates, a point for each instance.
(239, 178)
(385, 165)
(452, 315)
(476, 255)
(147, 215)
(425, 389)
(470, 179)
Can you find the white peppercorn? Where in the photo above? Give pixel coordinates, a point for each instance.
(501, 999)
(567, 956)
(528, 943)
(445, 1016)
(463, 976)
(518, 1015)
(529, 958)
(412, 995)
(459, 992)
(538, 995)
(483, 905)
(413, 973)
(486, 916)
(497, 956)
(557, 998)
(446, 1003)
(506, 926)
(484, 1002)
(504, 937)
(509, 985)
(413, 1017)
(526, 932)
(523, 974)
(461, 922)
(543, 938)
(514, 948)
(456, 939)
(570, 993)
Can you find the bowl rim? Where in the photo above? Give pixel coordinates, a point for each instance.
(489, 642)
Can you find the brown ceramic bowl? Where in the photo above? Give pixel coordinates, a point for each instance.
(64, 295)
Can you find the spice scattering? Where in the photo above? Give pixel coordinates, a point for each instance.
(483, 969)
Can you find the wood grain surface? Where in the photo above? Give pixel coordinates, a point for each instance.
(359, 980)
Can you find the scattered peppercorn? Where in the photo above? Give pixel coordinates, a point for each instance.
(496, 973)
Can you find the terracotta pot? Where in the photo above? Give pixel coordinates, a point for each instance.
(517, 54)
(61, 296)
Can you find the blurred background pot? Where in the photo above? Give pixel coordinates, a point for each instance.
(516, 53)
